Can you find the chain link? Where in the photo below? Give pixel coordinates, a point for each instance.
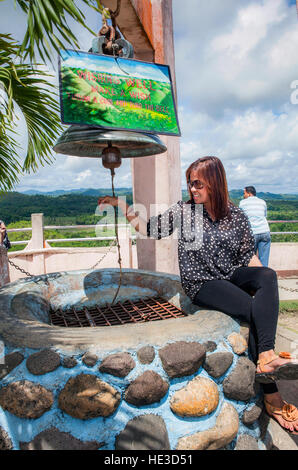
(290, 289)
(23, 271)
(20, 269)
(105, 254)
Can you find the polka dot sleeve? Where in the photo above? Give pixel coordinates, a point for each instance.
(163, 225)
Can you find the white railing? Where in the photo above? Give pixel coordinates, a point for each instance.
(38, 228)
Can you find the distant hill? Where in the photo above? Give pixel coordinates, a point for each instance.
(81, 191)
(238, 193)
(78, 207)
(234, 193)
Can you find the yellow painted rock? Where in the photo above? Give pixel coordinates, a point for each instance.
(238, 343)
(198, 398)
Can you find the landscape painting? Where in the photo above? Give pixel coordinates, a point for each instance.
(116, 93)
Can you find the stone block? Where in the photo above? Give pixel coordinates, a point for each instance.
(43, 362)
(146, 389)
(224, 431)
(217, 364)
(85, 397)
(26, 399)
(199, 398)
(240, 383)
(119, 364)
(182, 358)
(145, 432)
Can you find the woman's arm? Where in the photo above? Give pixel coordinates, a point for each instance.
(254, 261)
(135, 220)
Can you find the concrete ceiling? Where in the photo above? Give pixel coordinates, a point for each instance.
(132, 29)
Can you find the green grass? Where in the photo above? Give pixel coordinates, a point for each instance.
(288, 307)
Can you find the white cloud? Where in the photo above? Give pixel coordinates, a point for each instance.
(235, 62)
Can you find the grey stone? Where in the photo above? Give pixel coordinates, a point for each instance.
(181, 358)
(146, 389)
(11, 361)
(146, 354)
(240, 383)
(145, 432)
(210, 346)
(85, 397)
(89, 359)
(217, 364)
(119, 364)
(26, 399)
(43, 362)
(69, 362)
(250, 416)
(246, 442)
(5, 441)
(53, 439)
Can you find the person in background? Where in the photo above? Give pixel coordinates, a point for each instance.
(256, 211)
(3, 236)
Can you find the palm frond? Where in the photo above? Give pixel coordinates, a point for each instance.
(44, 17)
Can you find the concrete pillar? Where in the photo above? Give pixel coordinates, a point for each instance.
(148, 25)
(4, 268)
(157, 179)
(37, 239)
(124, 235)
(37, 243)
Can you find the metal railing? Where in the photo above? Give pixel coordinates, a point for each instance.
(67, 227)
(104, 226)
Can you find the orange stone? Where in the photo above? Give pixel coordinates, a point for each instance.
(199, 398)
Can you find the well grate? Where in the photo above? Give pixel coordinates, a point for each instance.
(143, 310)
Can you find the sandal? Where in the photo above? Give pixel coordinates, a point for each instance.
(288, 371)
(287, 412)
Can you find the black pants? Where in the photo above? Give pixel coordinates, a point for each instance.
(251, 296)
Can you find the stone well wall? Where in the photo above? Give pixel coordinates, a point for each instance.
(182, 383)
(184, 395)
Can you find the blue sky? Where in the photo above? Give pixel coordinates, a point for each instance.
(235, 63)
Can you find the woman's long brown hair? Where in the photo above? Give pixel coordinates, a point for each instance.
(211, 171)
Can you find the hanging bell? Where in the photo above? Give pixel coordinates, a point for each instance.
(110, 145)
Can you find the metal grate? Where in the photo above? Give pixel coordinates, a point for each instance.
(149, 309)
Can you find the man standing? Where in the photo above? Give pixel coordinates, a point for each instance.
(256, 211)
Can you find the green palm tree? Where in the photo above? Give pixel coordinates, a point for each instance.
(23, 82)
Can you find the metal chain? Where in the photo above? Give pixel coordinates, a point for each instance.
(105, 254)
(20, 269)
(288, 289)
(37, 278)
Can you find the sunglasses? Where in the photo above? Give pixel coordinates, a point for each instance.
(197, 184)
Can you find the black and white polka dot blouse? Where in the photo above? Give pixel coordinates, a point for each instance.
(207, 250)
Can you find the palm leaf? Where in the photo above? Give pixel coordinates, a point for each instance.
(29, 88)
(46, 16)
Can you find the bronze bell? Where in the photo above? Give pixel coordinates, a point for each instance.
(110, 145)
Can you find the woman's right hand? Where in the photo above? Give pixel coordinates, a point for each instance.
(107, 200)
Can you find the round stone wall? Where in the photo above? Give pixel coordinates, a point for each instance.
(189, 385)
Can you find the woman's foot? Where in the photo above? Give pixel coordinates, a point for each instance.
(274, 361)
(271, 367)
(285, 414)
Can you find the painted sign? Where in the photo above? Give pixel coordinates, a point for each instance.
(116, 93)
